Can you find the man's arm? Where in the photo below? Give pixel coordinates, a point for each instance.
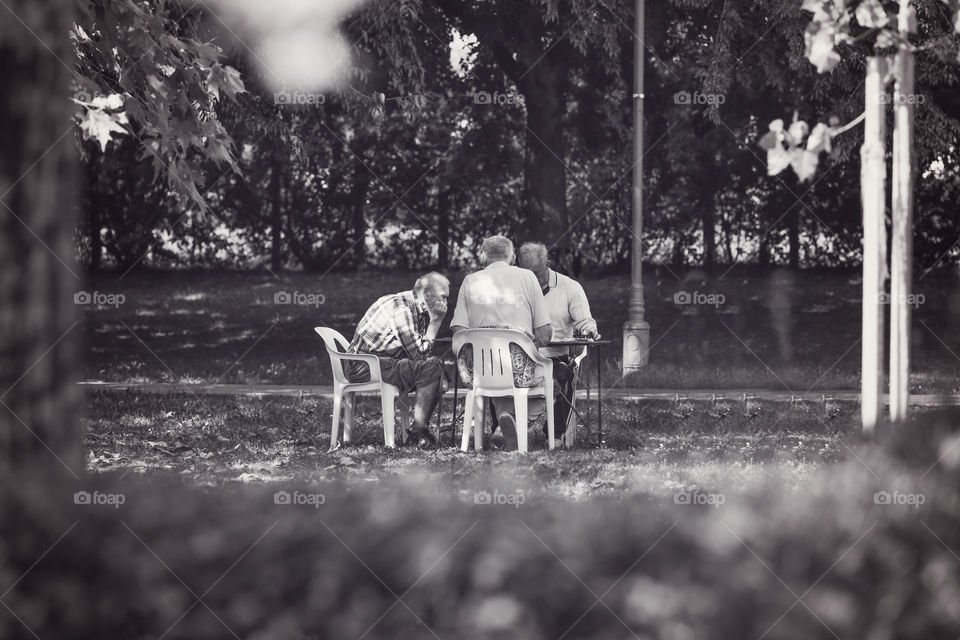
(543, 334)
(579, 309)
(417, 346)
(459, 321)
(542, 329)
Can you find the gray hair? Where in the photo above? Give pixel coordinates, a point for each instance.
(496, 248)
(532, 255)
(431, 279)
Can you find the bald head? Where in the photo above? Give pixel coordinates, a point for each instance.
(495, 249)
(434, 289)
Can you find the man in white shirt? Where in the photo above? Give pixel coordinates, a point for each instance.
(570, 318)
(505, 297)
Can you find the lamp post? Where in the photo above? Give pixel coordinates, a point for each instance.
(636, 331)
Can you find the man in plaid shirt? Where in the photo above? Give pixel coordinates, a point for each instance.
(400, 329)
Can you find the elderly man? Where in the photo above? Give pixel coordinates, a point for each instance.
(569, 316)
(400, 329)
(502, 296)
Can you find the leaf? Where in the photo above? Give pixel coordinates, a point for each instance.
(820, 50)
(99, 125)
(798, 131)
(768, 141)
(777, 160)
(804, 163)
(225, 79)
(819, 139)
(870, 14)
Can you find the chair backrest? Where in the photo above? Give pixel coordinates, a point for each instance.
(492, 363)
(336, 349)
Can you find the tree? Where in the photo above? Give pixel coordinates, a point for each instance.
(38, 175)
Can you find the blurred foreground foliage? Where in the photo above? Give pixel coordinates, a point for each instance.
(819, 562)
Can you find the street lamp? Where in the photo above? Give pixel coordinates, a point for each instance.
(636, 331)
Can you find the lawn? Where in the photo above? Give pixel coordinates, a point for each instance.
(236, 522)
(768, 330)
(656, 449)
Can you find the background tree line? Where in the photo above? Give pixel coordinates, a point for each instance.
(416, 158)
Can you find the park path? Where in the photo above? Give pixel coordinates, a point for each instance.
(926, 399)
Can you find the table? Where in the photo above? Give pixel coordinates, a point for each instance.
(578, 342)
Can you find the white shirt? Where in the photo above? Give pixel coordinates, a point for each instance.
(501, 295)
(569, 311)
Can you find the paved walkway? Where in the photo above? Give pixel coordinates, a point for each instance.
(926, 399)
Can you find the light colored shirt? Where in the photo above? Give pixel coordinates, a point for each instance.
(501, 295)
(569, 311)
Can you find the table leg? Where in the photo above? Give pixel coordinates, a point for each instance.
(599, 397)
(453, 414)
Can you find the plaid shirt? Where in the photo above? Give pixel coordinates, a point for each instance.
(393, 327)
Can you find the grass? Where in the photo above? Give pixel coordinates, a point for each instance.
(399, 548)
(656, 450)
(776, 331)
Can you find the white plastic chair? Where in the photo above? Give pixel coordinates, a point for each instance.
(343, 389)
(493, 378)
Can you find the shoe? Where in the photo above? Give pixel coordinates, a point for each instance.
(421, 438)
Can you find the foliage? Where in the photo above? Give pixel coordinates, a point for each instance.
(407, 166)
(147, 71)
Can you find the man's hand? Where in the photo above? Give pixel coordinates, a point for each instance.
(438, 311)
(589, 334)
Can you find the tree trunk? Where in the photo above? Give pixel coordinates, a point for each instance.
(793, 231)
(708, 224)
(873, 191)
(38, 271)
(358, 204)
(443, 229)
(276, 219)
(545, 194)
(764, 254)
(94, 213)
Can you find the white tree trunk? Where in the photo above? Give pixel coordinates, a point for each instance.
(872, 188)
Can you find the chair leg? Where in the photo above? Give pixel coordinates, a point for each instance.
(520, 403)
(404, 402)
(468, 408)
(335, 427)
(387, 401)
(480, 418)
(349, 408)
(548, 401)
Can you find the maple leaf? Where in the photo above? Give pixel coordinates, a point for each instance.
(777, 160)
(99, 125)
(226, 79)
